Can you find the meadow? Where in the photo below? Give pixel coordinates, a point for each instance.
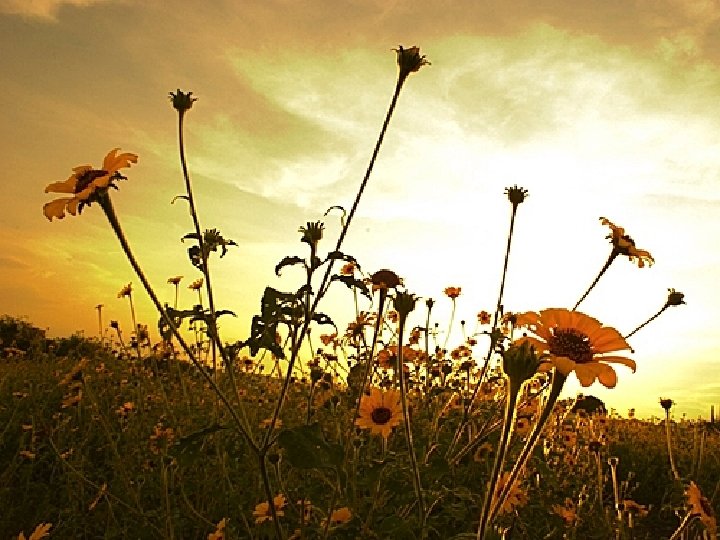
(377, 427)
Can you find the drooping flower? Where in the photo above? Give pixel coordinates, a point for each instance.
(380, 411)
(625, 245)
(700, 506)
(263, 513)
(84, 182)
(576, 342)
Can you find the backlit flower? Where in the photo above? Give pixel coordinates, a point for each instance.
(385, 279)
(84, 182)
(576, 342)
(625, 245)
(452, 292)
(174, 280)
(380, 412)
(701, 507)
(409, 60)
(483, 317)
(262, 511)
(196, 285)
(125, 291)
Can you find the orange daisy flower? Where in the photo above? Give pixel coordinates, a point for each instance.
(83, 183)
(625, 245)
(262, 510)
(380, 412)
(576, 342)
(452, 292)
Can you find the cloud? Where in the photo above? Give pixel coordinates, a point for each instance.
(42, 9)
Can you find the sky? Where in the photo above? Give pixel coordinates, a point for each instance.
(599, 108)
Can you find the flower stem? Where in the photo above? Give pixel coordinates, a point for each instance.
(668, 439)
(613, 254)
(408, 432)
(107, 207)
(508, 425)
(651, 319)
(214, 337)
(557, 386)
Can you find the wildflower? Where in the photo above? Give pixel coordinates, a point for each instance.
(520, 363)
(327, 339)
(27, 454)
(409, 61)
(219, 533)
(566, 511)
(83, 184)
(625, 245)
(182, 101)
(700, 506)
(348, 269)
(483, 317)
(628, 505)
(380, 411)
(404, 303)
(312, 233)
(174, 280)
(196, 285)
(125, 291)
(516, 497)
(339, 517)
(262, 511)
(452, 292)
(576, 342)
(666, 403)
(516, 195)
(385, 279)
(41, 531)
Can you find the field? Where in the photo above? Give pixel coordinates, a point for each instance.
(103, 445)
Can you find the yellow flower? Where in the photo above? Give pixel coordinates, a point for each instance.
(516, 496)
(566, 511)
(625, 245)
(219, 533)
(41, 531)
(339, 517)
(196, 285)
(125, 291)
(84, 182)
(380, 412)
(576, 342)
(262, 511)
(701, 507)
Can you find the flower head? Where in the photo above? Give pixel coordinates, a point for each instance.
(452, 292)
(174, 280)
(125, 291)
(182, 101)
(84, 184)
(675, 298)
(516, 195)
(666, 403)
(385, 279)
(576, 342)
(196, 285)
(483, 317)
(516, 496)
(312, 233)
(625, 245)
(263, 513)
(380, 411)
(409, 60)
(339, 516)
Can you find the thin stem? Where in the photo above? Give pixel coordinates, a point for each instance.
(508, 424)
(668, 439)
(406, 423)
(107, 207)
(651, 319)
(450, 323)
(613, 254)
(215, 339)
(682, 526)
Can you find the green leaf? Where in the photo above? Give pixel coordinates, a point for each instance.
(288, 261)
(305, 447)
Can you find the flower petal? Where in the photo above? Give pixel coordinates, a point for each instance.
(619, 360)
(66, 186)
(56, 208)
(114, 161)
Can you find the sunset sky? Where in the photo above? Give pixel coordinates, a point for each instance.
(598, 108)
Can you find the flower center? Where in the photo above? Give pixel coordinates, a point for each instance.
(572, 344)
(85, 179)
(381, 415)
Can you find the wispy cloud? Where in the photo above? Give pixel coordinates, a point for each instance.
(43, 9)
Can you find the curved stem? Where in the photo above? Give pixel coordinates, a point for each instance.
(651, 319)
(408, 432)
(214, 337)
(508, 424)
(613, 254)
(668, 438)
(557, 386)
(107, 207)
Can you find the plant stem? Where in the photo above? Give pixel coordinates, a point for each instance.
(668, 439)
(651, 319)
(613, 254)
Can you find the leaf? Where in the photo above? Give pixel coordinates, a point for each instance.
(305, 447)
(353, 283)
(288, 261)
(321, 318)
(340, 256)
(194, 236)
